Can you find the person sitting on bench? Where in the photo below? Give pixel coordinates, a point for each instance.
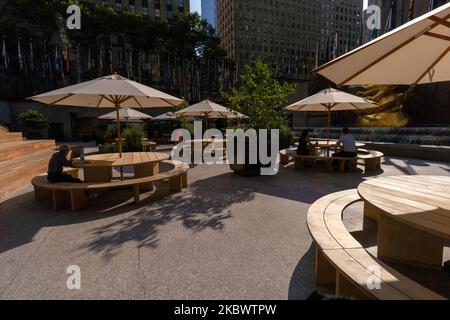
(348, 144)
(56, 166)
(305, 146)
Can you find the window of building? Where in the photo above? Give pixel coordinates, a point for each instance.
(144, 8)
(132, 6)
(119, 5)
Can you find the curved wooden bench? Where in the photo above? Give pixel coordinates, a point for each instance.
(67, 194)
(288, 155)
(371, 158)
(342, 261)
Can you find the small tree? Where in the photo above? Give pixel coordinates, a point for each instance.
(33, 119)
(260, 97)
(133, 136)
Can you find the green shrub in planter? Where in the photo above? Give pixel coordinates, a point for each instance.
(34, 122)
(286, 137)
(109, 148)
(133, 136)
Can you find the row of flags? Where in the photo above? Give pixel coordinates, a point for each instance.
(61, 60)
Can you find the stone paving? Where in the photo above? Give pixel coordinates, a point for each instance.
(225, 237)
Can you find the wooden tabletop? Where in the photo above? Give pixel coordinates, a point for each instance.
(207, 141)
(128, 159)
(419, 201)
(330, 144)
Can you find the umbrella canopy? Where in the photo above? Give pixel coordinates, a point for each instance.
(208, 109)
(111, 91)
(165, 117)
(332, 100)
(415, 53)
(108, 92)
(126, 114)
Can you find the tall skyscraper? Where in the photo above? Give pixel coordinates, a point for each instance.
(209, 11)
(292, 35)
(157, 9)
(397, 12)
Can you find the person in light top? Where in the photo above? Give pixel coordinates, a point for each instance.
(348, 144)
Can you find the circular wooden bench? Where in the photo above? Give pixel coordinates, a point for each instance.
(288, 155)
(342, 261)
(67, 194)
(371, 159)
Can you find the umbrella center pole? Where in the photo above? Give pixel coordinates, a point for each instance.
(328, 126)
(119, 138)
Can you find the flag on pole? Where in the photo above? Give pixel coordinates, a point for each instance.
(19, 55)
(89, 59)
(130, 63)
(79, 64)
(335, 46)
(430, 5)
(317, 54)
(347, 43)
(100, 65)
(111, 60)
(67, 59)
(411, 10)
(5, 54)
(374, 34)
(327, 52)
(57, 58)
(32, 67)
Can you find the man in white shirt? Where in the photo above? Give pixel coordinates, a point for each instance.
(347, 141)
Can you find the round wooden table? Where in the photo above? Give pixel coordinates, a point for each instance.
(98, 168)
(329, 145)
(413, 215)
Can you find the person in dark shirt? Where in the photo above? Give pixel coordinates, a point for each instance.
(305, 146)
(56, 166)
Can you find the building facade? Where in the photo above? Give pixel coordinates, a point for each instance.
(292, 36)
(209, 11)
(397, 12)
(157, 9)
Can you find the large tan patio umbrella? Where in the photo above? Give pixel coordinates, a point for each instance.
(332, 100)
(415, 53)
(208, 109)
(111, 91)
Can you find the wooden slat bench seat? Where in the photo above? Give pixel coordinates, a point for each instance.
(72, 195)
(371, 159)
(288, 154)
(342, 261)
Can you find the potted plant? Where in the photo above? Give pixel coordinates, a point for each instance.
(261, 98)
(34, 122)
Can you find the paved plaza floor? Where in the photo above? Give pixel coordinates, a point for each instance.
(225, 237)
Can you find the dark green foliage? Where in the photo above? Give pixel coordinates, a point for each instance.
(260, 97)
(33, 119)
(133, 136)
